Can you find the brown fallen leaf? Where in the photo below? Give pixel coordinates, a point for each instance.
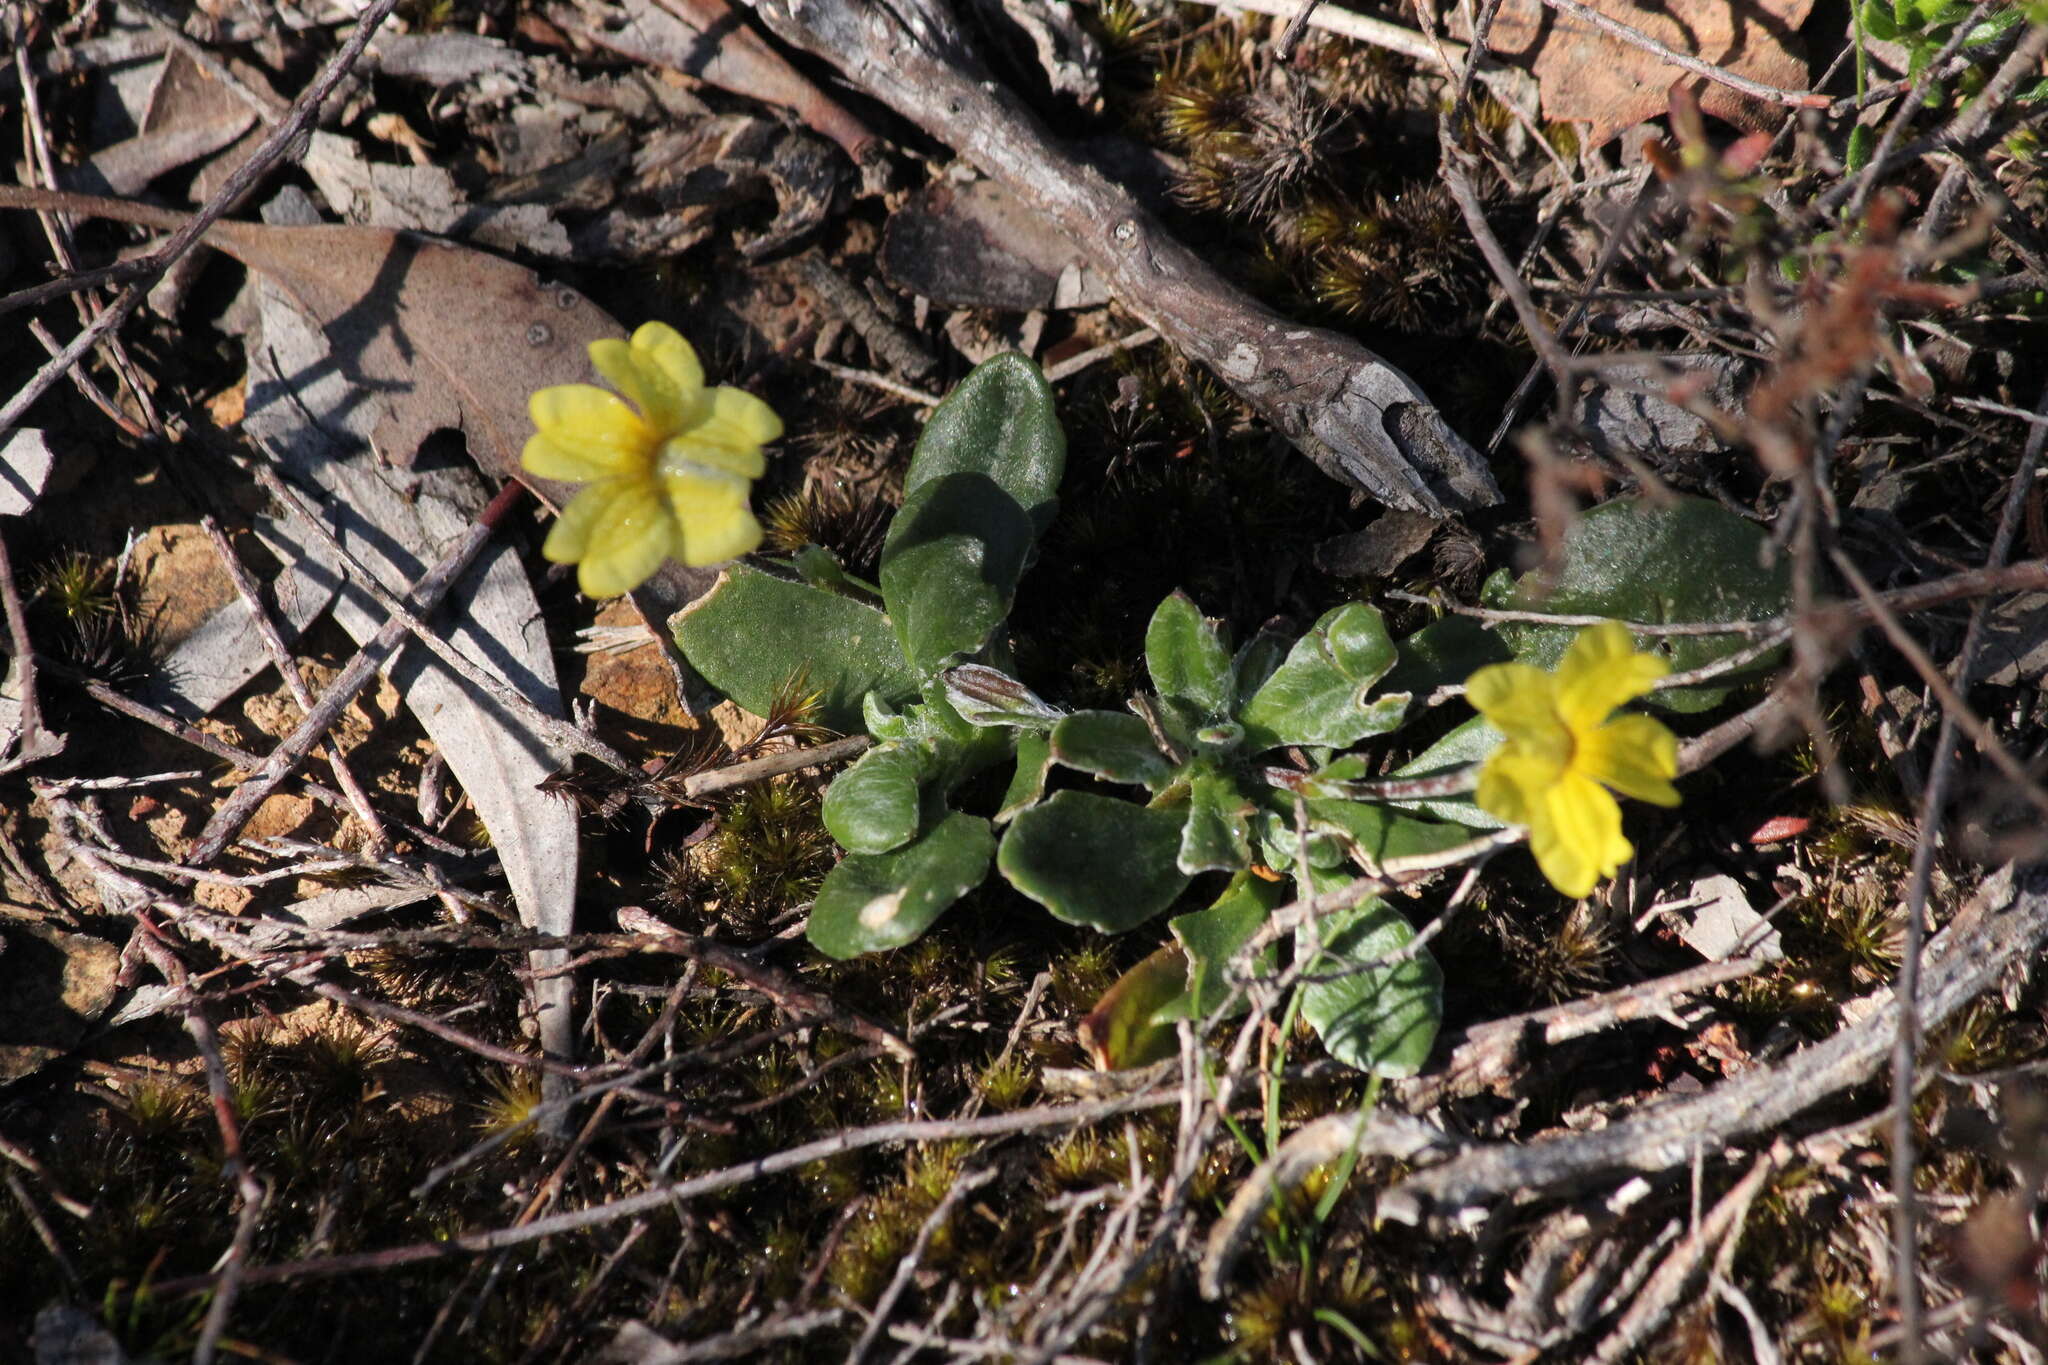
(432, 335)
(1588, 76)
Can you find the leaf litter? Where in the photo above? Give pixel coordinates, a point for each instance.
(366, 345)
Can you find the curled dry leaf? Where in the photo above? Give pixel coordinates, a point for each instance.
(1592, 77)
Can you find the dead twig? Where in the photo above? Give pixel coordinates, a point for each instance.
(31, 742)
(664, 1193)
(888, 343)
(1452, 166)
(1683, 1266)
(288, 668)
(1363, 421)
(907, 1267)
(433, 586)
(1635, 37)
(1906, 989)
(1074, 364)
(786, 993)
(772, 765)
(404, 617)
(2006, 924)
(244, 179)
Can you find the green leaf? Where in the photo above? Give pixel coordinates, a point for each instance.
(1027, 785)
(1212, 937)
(1382, 832)
(1878, 21)
(998, 422)
(950, 566)
(1469, 743)
(885, 723)
(1095, 860)
(1379, 1019)
(1443, 652)
(1111, 745)
(1687, 560)
(875, 901)
(1862, 143)
(752, 632)
(820, 568)
(1994, 28)
(1255, 661)
(1280, 840)
(1317, 697)
(988, 696)
(1125, 1028)
(1188, 660)
(1216, 837)
(873, 806)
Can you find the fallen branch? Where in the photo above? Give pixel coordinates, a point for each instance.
(1361, 420)
(2006, 925)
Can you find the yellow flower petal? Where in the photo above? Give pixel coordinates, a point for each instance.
(636, 534)
(1513, 782)
(729, 434)
(583, 520)
(664, 348)
(1599, 672)
(587, 434)
(712, 516)
(687, 455)
(1635, 755)
(1576, 836)
(1517, 698)
(658, 372)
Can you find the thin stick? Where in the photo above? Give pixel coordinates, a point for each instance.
(1443, 54)
(1074, 364)
(907, 1267)
(33, 741)
(877, 381)
(241, 758)
(288, 669)
(248, 1188)
(666, 1193)
(56, 227)
(772, 765)
(432, 587)
(552, 728)
(1906, 989)
(1539, 332)
(1635, 37)
(273, 149)
(1952, 703)
(786, 993)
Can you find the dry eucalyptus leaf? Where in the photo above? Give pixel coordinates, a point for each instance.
(1587, 76)
(214, 662)
(399, 523)
(429, 336)
(25, 464)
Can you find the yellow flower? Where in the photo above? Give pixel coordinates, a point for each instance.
(1563, 752)
(669, 480)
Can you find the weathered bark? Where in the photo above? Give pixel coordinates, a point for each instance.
(1363, 421)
